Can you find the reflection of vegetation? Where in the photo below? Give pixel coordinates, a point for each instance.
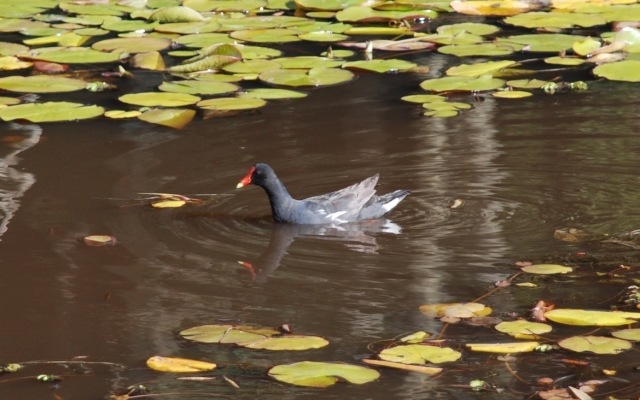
(217, 33)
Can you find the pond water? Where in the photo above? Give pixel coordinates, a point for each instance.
(522, 169)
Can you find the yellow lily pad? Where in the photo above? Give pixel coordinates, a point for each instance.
(52, 111)
(176, 118)
(511, 94)
(628, 334)
(231, 104)
(504, 348)
(455, 309)
(589, 317)
(178, 365)
(523, 329)
(133, 45)
(287, 342)
(302, 77)
(169, 204)
(479, 69)
(41, 84)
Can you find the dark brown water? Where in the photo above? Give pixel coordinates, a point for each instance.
(523, 169)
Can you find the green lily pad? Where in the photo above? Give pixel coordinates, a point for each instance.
(381, 66)
(302, 77)
(91, 9)
(71, 55)
(446, 39)
(568, 61)
(627, 71)
(307, 62)
(479, 69)
(467, 27)
(462, 83)
(287, 342)
(368, 14)
(327, 5)
(419, 354)
(209, 63)
(586, 46)
(511, 94)
(480, 49)
(231, 104)
(151, 60)
(223, 5)
(155, 99)
(41, 84)
(441, 113)
(522, 329)
(271, 94)
(526, 83)
(201, 40)
(280, 35)
(199, 87)
(449, 106)
(562, 20)
(323, 36)
(50, 112)
(546, 42)
(176, 14)
(223, 333)
(322, 374)
(504, 348)
(547, 269)
(175, 118)
(588, 317)
(185, 28)
(11, 49)
(423, 98)
(632, 334)
(251, 66)
(595, 344)
(133, 45)
(129, 26)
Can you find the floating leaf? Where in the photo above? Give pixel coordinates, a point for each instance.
(41, 84)
(71, 55)
(223, 333)
(133, 45)
(154, 99)
(586, 46)
(589, 318)
(405, 367)
(169, 204)
(11, 63)
(546, 269)
(251, 66)
(361, 13)
(527, 83)
(52, 111)
(419, 354)
(467, 27)
(513, 347)
(268, 35)
(381, 66)
(322, 374)
(178, 365)
(462, 83)
(231, 104)
(522, 329)
(199, 87)
(479, 69)
(391, 45)
(151, 60)
(120, 114)
(175, 118)
(628, 334)
(480, 49)
(323, 36)
(595, 344)
(569, 61)
(271, 94)
(99, 240)
(423, 98)
(511, 94)
(307, 62)
(303, 77)
(492, 7)
(176, 14)
(628, 71)
(553, 19)
(287, 342)
(549, 42)
(443, 309)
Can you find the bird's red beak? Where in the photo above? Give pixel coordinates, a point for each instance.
(246, 180)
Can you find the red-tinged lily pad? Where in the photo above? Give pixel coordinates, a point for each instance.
(154, 99)
(178, 365)
(322, 374)
(53, 111)
(175, 118)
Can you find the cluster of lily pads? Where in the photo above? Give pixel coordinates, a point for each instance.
(208, 48)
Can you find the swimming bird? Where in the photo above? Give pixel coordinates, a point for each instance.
(354, 203)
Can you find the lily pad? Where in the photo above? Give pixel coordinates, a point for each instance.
(176, 14)
(175, 118)
(467, 310)
(133, 45)
(307, 62)
(546, 269)
(419, 354)
(632, 334)
(511, 94)
(154, 99)
(527, 83)
(568, 61)
(423, 98)
(272, 94)
(224, 333)
(479, 69)
(41, 84)
(199, 87)
(322, 374)
(588, 317)
(548, 42)
(368, 14)
(381, 66)
(323, 36)
(595, 344)
(627, 71)
(231, 104)
(522, 329)
(302, 77)
(52, 111)
(71, 55)
(553, 19)
(287, 342)
(179, 365)
(480, 49)
(504, 348)
(281, 35)
(462, 83)
(468, 27)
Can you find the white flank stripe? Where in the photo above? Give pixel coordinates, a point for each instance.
(390, 205)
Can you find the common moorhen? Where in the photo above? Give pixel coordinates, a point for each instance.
(354, 203)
